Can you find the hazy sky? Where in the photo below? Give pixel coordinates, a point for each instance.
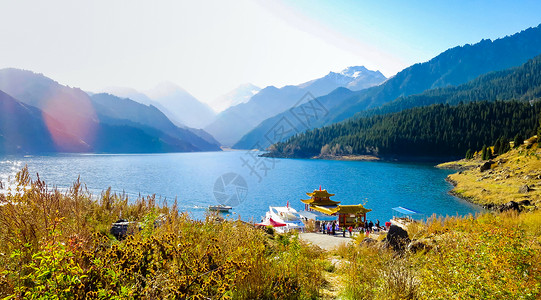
(210, 47)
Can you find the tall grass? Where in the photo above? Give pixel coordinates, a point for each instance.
(57, 245)
(489, 256)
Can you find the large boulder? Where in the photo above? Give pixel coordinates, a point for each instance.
(511, 205)
(486, 166)
(397, 238)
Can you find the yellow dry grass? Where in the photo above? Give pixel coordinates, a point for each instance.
(501, 184)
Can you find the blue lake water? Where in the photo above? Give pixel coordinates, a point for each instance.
(192, 177)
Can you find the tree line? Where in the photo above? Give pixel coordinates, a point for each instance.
(438, 130)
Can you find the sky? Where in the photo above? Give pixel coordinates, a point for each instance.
(211, 47)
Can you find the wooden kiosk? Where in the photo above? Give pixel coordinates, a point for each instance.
(348, 215)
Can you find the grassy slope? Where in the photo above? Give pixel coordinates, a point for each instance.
(57, 245)
(500, 184)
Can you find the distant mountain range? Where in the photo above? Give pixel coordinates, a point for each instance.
(522, 83)
(182, 105)
(421, 125)
(452, 67)
(118, 111)
(52, 117)
(231, 124)
(239, 95)
(65, 119)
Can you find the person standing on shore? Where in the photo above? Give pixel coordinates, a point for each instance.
(350, 229)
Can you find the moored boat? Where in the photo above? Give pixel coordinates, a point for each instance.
(220, 208)
(286, 215)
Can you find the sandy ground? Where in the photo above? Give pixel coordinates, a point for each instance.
(325, 241)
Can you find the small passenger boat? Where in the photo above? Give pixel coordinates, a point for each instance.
(220, 208)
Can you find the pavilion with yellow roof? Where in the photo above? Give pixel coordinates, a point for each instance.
(348, 215)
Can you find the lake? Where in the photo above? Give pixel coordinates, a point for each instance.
(248, 182)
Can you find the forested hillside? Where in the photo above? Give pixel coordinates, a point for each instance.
(435, 131)
(520, 83)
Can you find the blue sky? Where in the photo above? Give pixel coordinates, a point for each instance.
(211, 46)
(419, 30)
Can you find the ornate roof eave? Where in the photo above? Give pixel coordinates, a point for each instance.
(320, 194)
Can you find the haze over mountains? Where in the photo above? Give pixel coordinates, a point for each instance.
(184, 107)
(242, 94)
(231, 124)
(77, 122)
(59, 118)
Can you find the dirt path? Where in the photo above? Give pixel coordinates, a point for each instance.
(334, 281)
(324, 241)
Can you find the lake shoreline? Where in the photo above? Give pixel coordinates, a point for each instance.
(508, 181)
(366, 157)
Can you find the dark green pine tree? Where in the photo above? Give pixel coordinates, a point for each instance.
(539, 128)
(469, 154)
(489, 153)
(498, 146)
(484, 153)
(519, 140)
(505, 147)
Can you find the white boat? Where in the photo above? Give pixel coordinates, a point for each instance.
(220, 208)
(287, 215)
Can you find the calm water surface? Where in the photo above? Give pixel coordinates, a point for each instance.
(191, 178)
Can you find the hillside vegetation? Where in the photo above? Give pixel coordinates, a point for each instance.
(427, 125)
(521, 83)
(57, 246)
(512, 176)
(488, 256)
(438, 130)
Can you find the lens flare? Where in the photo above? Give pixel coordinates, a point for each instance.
(71, 120)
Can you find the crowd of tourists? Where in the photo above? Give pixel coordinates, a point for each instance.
(332, 228)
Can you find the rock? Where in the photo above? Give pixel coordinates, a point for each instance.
(525, 203)
(397, 238)
(420, 245)
(488, 206)
(486, 166)
(119, 229)
(511, 205)
(368, 241)
(338, 263)
(524, 189)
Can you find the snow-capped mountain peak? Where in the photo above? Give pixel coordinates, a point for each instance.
(354, 71)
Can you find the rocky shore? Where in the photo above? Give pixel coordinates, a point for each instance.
(511, 181)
